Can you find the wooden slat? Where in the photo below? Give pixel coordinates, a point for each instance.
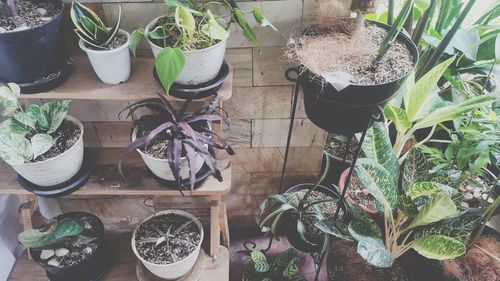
(124, 264)
(105, 179)
(84, 84)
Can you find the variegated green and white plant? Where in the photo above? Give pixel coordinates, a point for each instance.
(37, 122)
(282, 267)
(419, 213)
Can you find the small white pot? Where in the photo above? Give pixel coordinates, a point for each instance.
(112, 66)
(161, 168)
(201, 65)
(178, 269)
(55, 170)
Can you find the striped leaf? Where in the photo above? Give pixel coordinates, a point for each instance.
(260, 261)
(292, 268)
(414, 168)
(439, 247)
(374, 252)
(398, 117)
(460, 227)
(377, 146)
(440, 206)
(422, 188)
(359, 230)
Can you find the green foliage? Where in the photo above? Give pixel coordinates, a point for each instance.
(283, 267)
(55, 232)
(90, 28)
(169, 64)
(38, 122)
(194, 26)
(395, 29)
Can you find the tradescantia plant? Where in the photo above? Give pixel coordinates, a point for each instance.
(53, 233)
(90, 28)
(9, 7)
(282, 267)
(25, 134)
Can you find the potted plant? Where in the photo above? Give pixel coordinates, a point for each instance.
(107, 48)
(42, 143)
(175, 145)
(200, 35)
(168, 243)
(31, 49)
(283, 267)
(349, 67)
(71, 246)
(295, 212)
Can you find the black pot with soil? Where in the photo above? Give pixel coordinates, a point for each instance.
(350, 110)
(314, 235)
(31, 46)
(476, 192)
(88, 261)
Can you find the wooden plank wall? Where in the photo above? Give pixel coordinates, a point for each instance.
(259, 112)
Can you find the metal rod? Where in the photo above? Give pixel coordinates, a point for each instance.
(320, 265)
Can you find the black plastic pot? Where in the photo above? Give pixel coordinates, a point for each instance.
(291, 224)
(489, 177)
(34, 58)
(91, 269)
(348, 111)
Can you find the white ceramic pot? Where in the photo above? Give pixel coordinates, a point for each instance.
(112, 66)
(55, 170)
(178, 269)
(201, 65)
(161, 168)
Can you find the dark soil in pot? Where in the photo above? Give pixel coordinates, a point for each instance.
(345, 264)
(336, 146)
(184, 240)
(357, 194)
(87, 261)
(30, 14)
(66, 136)
(477, 193)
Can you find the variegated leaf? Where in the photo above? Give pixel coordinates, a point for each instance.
(380, 182)
(422, 188)
(260, 261)
(8, 98)
(460, 227)
(292, 268)
(15, 149)
(438, 207)
(439, 247)
(41, 143)
(360, 229)
(25, 119)
(285, 257)
(398, 117)
(55, 112)
(377, 146)
(414, 168)
(335, 228)
(35, 112)
(13, 126)
(374, 252)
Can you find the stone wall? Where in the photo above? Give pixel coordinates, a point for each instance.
(259, 112)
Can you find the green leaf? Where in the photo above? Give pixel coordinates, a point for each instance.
(279, 209)
(284, 258)
(460, 227)
(41, 143)
(423, 188)
(422, 99)
(261, 19)
(8, 98)
(335, 228)
(135, 39)
(377, 146)
(360, 229)
(213, 29)
(360, 215)
(175, 4)
(414, 168)
(114, 30)
(35, 112)
(185, 19)
(68, 228)
(422, 5)
(379, 182)
(292, 268)
(158, 33)
(247, 31)
(373, 251)
(55, 112)
(398, 117)
(260, 261)
(169, 64)
(439, 247)
(438, 207)
(25, 119)
(13, 126)
(15, 149)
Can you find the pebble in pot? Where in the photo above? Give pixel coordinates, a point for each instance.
(107, 48)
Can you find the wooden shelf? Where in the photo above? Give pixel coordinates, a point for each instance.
(124, 264)
(83, 84)
(106, 181)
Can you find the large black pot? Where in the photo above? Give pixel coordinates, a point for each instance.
(91, 269)
(291, 224)
(350, 110)
(34, 58)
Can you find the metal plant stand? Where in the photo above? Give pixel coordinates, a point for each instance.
(377, 116)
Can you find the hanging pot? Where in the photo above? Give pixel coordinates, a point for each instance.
(34, 58)
(350, 110)
(93, 268)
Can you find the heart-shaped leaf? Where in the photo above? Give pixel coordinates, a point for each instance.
(169, 64)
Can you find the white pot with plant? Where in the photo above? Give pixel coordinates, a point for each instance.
(107, 48)
(168, 243)
(198, 33)
(42, 143)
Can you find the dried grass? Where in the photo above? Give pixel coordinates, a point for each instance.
(476, 265)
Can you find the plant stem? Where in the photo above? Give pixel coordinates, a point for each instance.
(390, 13)
(487, 214)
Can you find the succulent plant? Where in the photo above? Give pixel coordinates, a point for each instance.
(90, 28)
(53, 233)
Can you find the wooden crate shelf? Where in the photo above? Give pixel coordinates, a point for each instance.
(83, 84)
(124, 264)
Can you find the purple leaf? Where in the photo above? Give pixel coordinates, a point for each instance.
(138, 143)
(204, 117)
(197, 146)
(158, 130)
(169, 107)
(210, 161)
(223, 143)
(151, 104)
(12, 4)
(174, 151)
(191, 156)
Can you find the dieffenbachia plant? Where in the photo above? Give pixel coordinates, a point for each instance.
(26, 134)
(282, 267)
(395, 28)
(90, 28)
(419, 106)
(419, 213)
(194, 26)
(53, 233)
